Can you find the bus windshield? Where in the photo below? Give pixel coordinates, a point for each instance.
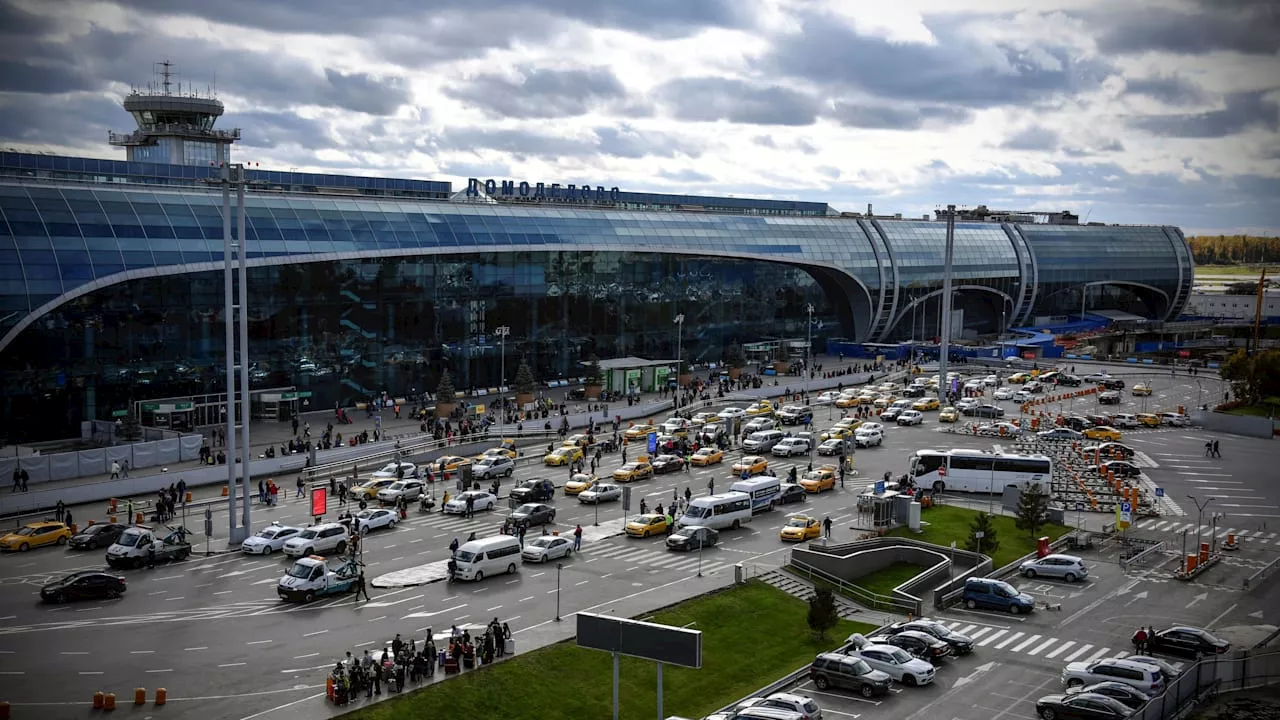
(697, 512)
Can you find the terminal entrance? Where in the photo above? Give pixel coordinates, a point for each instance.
(186, 414)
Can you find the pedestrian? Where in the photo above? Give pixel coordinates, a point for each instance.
(711, 484)
(577, 538)
(361, 588)
(1216, 453)
(688, 494)
(67, 519)
(471, 506)
(300, 484)
(115, 470)
(1140, 641)
(59, 511)
(17, 480)
(453, 547)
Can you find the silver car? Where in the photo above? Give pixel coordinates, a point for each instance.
(1064, 567)
(600, 493)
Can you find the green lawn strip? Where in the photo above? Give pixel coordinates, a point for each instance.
(752, 634)
(1243, 270)
(1252, 411)
(948, 522)
(883, 581)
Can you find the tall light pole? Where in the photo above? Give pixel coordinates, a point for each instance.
(235, 310)
(1200, 506)
(808, 354)
(502, 334)
(944, 345)
(559, 567)
(679, 321)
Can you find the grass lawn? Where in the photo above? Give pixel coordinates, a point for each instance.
(1250, 270)
(882, 582)
(752, 634)
(948, 522)
(1253, 410)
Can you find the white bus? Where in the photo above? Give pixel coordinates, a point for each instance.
(726, 510)
(978, 471)
(763, 489)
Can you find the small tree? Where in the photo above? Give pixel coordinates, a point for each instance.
(595, 376)
(734, 356)
(129, 429)
(823, 614)
(988, 543)
(445, 392)
(1033, 509)
(524, 379)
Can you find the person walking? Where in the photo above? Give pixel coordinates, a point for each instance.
(115, 470)
(577, 538)
(361, 588)
(826, 526)
(471, 506)
(300, 484)
(1216, 453)
(59, 511)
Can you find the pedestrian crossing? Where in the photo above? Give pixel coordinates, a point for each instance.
(1036, 645)
(646, 558)
(1178, 527)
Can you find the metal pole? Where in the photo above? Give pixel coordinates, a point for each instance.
(660, 691)
(559, 567)
(808, 355)
(245, 451)
(944, 346)
(502, 381)
(700, 544)
(679, 358)
(615, 686)
(228, 315)
(1084, 299)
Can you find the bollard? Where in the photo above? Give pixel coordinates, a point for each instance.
(112, 507)
(74, 529)
(137, 518)
(189, 496)
(1191, 563)
(139, 696)
(111, 518)
(224, 491)
(4, 710)
(109, 701)
(161, 696)
(97, 700)
(91, 522)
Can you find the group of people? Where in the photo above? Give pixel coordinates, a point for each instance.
(1142, 640)
(167, 500)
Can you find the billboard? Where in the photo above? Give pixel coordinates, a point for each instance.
(651, 641)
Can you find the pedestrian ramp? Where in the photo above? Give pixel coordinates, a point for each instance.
(792, 585)
(1030, 644)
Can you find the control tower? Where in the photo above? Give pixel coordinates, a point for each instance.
(175, 128)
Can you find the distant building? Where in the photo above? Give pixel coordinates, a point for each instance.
(1234, 307)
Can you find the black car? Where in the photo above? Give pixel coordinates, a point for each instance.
(1187, 642)
(1128, 695)
(1109, 448)
(95, 536)
(985, 411)
(1110, 397)
(667, 464)
(533, 514)
(1081, 706)
(1077, 423)
(692, 538)
(83, 585)
(913, 391)
(791, 493)
(534, 490)
(922, 645)
(1069, 380)
(1121, 468)
(960, 644)
(1113, 384)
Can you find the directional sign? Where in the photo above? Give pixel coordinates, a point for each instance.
(1126, 513)
(1159, 492)
(879, 487)
(653, 443)
(1079, 507)
(626, 499)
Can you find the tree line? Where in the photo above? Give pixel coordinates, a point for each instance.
(1234, 249)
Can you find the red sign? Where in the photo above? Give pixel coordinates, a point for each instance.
(1184, 353)
(319, 500)
(942, 472)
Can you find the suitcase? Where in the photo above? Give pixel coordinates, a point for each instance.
(468, 661)
(450, 666)
(509, 646)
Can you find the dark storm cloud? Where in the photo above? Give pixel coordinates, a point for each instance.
(708, 99)
(275, 129)
(1250, 27)
(627, 142)
(874, 116)
(955, 70)
(1241, 111)
(540, 93)
(522, 144)
(17, 21)
(29, 77)
(1032, 138)
(1168, 89)
(68, 120)
(363, 92)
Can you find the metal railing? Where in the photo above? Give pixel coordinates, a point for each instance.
(872, 600)
(1209, 677)
(1154, 551)
(1260, 574)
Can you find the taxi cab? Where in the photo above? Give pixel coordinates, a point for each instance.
(707, 456)
(495, 452)
(703, 418)
(579, 483)
(34, 535)
(1142, 389)
(1102, 432)
(761, 407)
(450, 462)
(563, 456)
(884, 401)
(925, 404)
(752, 464)
(639, 432)
(1018, 378)
(1149, 420)
(838, 432)
(579, 440)
(815, 481)
(866, 397)
(638, 470)
(848, 401)
(799, 528)
(645, 525)
(948, 414)
(368, 489)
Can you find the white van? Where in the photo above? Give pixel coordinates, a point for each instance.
(726, 510)
(763, 490)
(488, 556)
(762, 441)
(1124, 421)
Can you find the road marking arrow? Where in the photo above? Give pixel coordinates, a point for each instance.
(1257, 615)
(1140, 596)
(1199, 598)
(432, 614)
(961, 682)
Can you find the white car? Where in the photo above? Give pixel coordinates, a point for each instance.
(492, 467)
(1021, 396)
(866, 437)
(600, 493)
(546, 547)
(965, 403)
(826, 398)
(1124, 421)
(389, 470)
(758, 424)
(1000, 428)
(990, 380)
(730, 413)
(899, 664)
(786, 447)
(974, 385)
(910, 417)
(1175, 419)
(791, 705)
(482, 501)
(410, 490)
(269, 539)
(1005, 393)
(368, 520)
(318, 539)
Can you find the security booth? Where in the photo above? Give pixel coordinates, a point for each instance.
(176, 415)
(281, 406)
(635, 375)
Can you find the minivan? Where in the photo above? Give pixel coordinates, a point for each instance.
(487, 556)
(763, 441)
(996, 595)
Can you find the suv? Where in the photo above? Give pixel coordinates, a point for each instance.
(1067, 567)
(1124, 421)
(1146, 678)
(534, 490)
(1110, 397)
(318, 539)
(791, 446)
(850, 673)
(996, 595)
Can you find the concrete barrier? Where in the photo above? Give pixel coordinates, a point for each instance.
(1246, 425)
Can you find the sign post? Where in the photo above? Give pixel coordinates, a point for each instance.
(208, 528)
(1126, 515)
(651, 641)
(319, 501)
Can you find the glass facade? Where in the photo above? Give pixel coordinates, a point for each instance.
(195, 152)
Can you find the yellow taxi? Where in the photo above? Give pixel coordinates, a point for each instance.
(368, 489)
(837, 432)
(579, 440)
(815, 481)
(579, 483)
(450, 462)
(1018, 378)
(926, 404)
(36, 534)
(948, 414)
(848, 401)
(1141, 389)
(1102, 432)
(703, 418)
(562, 456)
(799, 528)
(866, 397)
(638, 470)
(752, 464)
(495, 453)
(1149, 420)
(760, 407)
(645, 525)
(639, 432)
(707, 456)
(884, 401)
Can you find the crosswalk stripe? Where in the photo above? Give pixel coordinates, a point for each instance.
(1079, 651)
(980, 632)
(1060, 649)
(664, 562)
(967, 629)
(1020, 646)
(1041, 647)
(1121, 655)
(992, 638)
(951, 624)
(1099, 654)
(1011, 638)
(1226, 532)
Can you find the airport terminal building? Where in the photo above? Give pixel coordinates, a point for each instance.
(111, 283)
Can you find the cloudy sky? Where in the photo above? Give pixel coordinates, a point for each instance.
(1122, 110)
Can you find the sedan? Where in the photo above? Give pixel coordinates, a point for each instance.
(579, 483)
(1060, 434)
(926, 404)
(639, 432)
(633, 471)
(798, 706)
(407, 490)
(367, 520)
(562, 456)
(99, 535)
(642, 526)
(269, 539)
(546, 547)
(397, 470)
(1102, 432)
(497, 452)
(1121, 468)
(600, 493)
(960, 643)
(922, 645)
(83, 585)
(368, 489)
(492, 467)
(899, 664)
(758, 424)
(1141, 390)
(1081, 706)
(866, 437)
(531, 514)
(1110, 397)
(815, 481)
(827, 398)
(1187, 642)
(481, 500)
(790, 493)
(834, 446)
(1128, 695)
(730, 413)
(948, 414)
(911, 417)
(36, 534)
(664, 464)
(799, 528)
(750, 464)
(1000, 429)
(1110, 450)
(707, 456)
(1005, 393)
(692, 537)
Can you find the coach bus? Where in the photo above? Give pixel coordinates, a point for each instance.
(979, 471)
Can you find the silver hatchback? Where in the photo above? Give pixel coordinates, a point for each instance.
(1064, 567)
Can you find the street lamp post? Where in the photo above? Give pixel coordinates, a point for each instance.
(679, 321)
(808, 354)
(502, 334)
(559, 567)
(1200, 506)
